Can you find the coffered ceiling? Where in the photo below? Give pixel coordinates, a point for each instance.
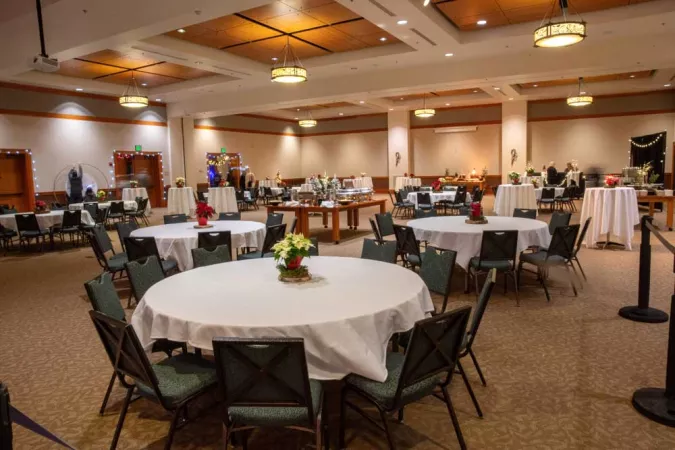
(589, 80)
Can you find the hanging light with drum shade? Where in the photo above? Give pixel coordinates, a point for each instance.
(132, 97)
(288, 68)
(582, 98)
(308, 122)
(425, 112)
(559, 34)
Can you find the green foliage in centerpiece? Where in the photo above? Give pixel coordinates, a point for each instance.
(291, 250)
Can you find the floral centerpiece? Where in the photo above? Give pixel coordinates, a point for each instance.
(363, 174)
(436, 185)
(476, 215)
(133, 183)
(319, 184)
(514, 177)
(291, 250)
(180, 182)
(101, 195)
(529, 169)
(278, 178)
(204, 213)
(535, 182)
(41, 206)
(611, 181)
(484, 172)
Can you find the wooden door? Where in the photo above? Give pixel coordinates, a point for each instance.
(146, 168)
(16, 181)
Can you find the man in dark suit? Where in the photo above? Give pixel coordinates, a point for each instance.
(551, 174)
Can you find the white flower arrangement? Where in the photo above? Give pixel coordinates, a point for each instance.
(292, 247)
(180, 181)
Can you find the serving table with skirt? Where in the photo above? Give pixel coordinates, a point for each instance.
(437, 196)
(360, 182)
(181, 201)
(401, 182)
(131, 194)
(614, 215)
(346, 314)
(223, 199)
(514, 196)
(129, 205)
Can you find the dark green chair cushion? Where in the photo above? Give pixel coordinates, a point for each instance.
(413, 259)
(34, 233)
(383, 393)
(487, 265)
(181, 376)
(253, 255)
(117, 261)
(539, 259)
(168, 265)
(277, 416)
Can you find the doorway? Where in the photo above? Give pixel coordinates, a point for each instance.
(145, 168)
(16, 179)
(650, 148)
(224, 166)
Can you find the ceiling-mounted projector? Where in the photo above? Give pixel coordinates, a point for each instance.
(45, 63)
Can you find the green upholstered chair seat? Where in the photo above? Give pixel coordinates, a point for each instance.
(7, 233)
(413, 259)
(67, 229)
(117, 261)
(181, 376)
(487, 265)
(168, 265)
(33, 233)
(383, 393)
(276, 416)
(253, 255)
(203, 257)
(539, 258)
(547, 200)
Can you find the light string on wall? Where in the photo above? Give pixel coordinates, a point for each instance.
(124, 154)
(648, 144)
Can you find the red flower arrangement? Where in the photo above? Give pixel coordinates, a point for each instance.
(40, 206)
(611, 181)
(476, 210)
(204, 213)
(436, 185)
(405, 174)
(412, 175)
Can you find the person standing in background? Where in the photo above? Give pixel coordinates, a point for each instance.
(552, 173)
(75, 182)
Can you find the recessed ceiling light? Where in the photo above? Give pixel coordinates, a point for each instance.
(449, 54)
(447, 104)
(158, 99)
(391, 109)
(402, 22)
(181, 30)
(666, 85)
(297, 109)
(79, 89)
(198, 62)
(341, 114)
(497, 89)
(275, 58)
(475, 92)
(582, 93)
(295, 118)
(632, 76)
(511, 98)
(481, 22)
(383, 38)
(361, 101)
(144, 84)
(535, 85)
(401, 98)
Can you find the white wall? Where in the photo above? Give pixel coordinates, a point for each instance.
(458, 152)
(345, 154)
(59, 143)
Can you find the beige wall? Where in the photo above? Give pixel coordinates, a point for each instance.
(345, 154)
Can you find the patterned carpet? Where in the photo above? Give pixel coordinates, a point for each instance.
(560, 374)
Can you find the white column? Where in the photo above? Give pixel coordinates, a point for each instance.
(175, 156)
(398, 149)
(514, 137)
(193, 162)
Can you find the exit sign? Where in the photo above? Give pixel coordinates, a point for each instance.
(138, 148)
(223, 150)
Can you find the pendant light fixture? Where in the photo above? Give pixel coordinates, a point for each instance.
(425, 112)
(559, 34)
(309, 122)
(582, 99)
(289, 69)
(132, 97)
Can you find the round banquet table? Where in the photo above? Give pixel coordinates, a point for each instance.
(437, 196)
(175, 241)
(222, 199)
(514, 196)
(129, 205)
(132, 193)
(402, 182)
(452, 233)
(46, 220)
(614, 214)
(345, 314)
(181, 201)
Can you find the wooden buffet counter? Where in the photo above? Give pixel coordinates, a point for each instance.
(667, 200)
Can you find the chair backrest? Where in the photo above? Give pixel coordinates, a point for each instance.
(406, 241)
(124, 230)
(101, 215)
(143, 274)
(103, 296)
(373, 226)
(274, 219)
(478, 196)
(294, 223)
(200, 196)
(71, 218)
(229, 216)
(433, 348)
(273, 235)
(212, 239)
(425, 188)
(423, 198)
(314, 251)
(548, 193)
(268, 373)
(26, 222)
(102, 238)
(558, 219)
(202, 257)
(385, 223)
(376, 250)
(399, 196)
(92, 208)
(498, 245)
(143, 205)
(481, 305)
(140, 247)
(460, 196)
(116, 207)
(582, 235)
(175, 218)
(562, 242)
(525, 213)
(436, 272)
(6, 437)
(448, 187)
(267, 191)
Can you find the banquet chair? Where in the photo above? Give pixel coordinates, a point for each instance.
(547, 198)
(175, 218)
(274, 219)
(173, 382)
(116, 212)
(525, 213)
(101, 217)
(378, 250)
(478, 196)
(294, 224)
(229, 216)
(385, 223)
(6, 237)
(558, 254)
(202, 257)
(376, 232)
(265, 383)
(273, 235)
(241, 203)
(580, 240)
(425, 189)
(70, 225)
(209, 240)
(101, 245)
(558, 219)
(403, 206)
(436, 272)
(458, 202)
(200, 196)
(104, 299)
(424, 201)
(407, 246)
(91, 208)
(422, 213)
(143, 274)
(566, 200)
(140, 212)
(396, 204)
(448, 187)
(124, 230)
(28, 228)
(429, 363)
(497, 251)
(314, 251)
(142, 247)
(252, 200)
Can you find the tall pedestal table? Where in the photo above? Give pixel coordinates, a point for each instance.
(614, 214)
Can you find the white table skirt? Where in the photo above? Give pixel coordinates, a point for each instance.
(537, 192)
(129, 205)
(614, 211)
(345, 315)
(223, 199)
(453, 233)
(511, 196)
(401, 182)
(175, 241)
(268, 183)
(572, 175)
(361, 182)
(45, 221)
(181, 201)
(436, 196)
(132, 193)
(306, 187)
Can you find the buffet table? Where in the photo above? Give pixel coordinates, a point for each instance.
(129, 205)
(355, 302)
(514, 196)
(614, 214)
(181, 201)
(401, 182)
(361, 182)
(223, 199)
(131, 194)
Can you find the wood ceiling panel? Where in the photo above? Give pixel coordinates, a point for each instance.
(332, 39)
(115, 58)
(465, 8)
(82, 69)
(527, 13)
(151, 80)
(454, 92)
(250, 32)
(208, 38)
(222, 23)
(431, 95)
(306, 4)
(332, 13)
(177, 71)
(266, 12)
(469, 22)
(587, 80)
(296, 21)
(513, 4)
(264, 51)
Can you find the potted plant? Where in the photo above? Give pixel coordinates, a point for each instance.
(436, 185)
(100, 195)
(133, 183)
(180, 182)
(204, 213)
(291, 250)
(529, 169)
(611, 181)
(41, 207)
(514, 177)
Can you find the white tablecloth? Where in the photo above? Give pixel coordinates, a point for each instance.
(174, 241)
(267, 183)
(306, 187)
(45, 221)
(453, 233)
(401, 182)
(537, 192)
(436, 196)
(361, 182)
(573, 176)
(526, 179)
(345, 315)
(613, 211)
(511, 196)
(181, 201)
(132, 193)
(129, 205)
(223, 199)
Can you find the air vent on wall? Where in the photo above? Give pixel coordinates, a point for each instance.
(382, 8)
(465, 129)
(423, 36)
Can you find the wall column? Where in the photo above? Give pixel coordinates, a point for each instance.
(514, 136)
(175, 157)
(398, 139)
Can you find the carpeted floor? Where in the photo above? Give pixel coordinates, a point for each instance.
(560, 374)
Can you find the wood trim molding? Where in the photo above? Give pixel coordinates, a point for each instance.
(260, 116)
(18, 112)
(624, 94)
(46, 90)
(597, 116)
(328, 133)
(458, 124)
(277, 133)
(486, 105)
